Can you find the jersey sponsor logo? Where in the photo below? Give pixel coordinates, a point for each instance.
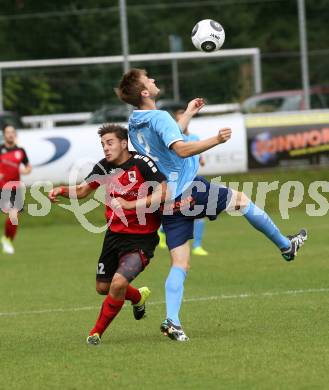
(18, 155)
(132, 176)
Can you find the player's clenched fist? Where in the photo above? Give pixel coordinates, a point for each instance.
(224, 135)
(120, 203)
(52, 195)
(195, 106)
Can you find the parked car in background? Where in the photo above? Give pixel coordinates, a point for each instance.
(112, 113)
(292, 100)
(10, 118)
(171, 105)
(109, 113)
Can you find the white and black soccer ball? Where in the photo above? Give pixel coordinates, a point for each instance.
(208, 35)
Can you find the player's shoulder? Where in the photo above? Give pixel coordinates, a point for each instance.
(140, 119)
(149, 115)
(101, 165)
(143, 161)
(102, 162)
(20, 148)
(161, 114)
(163, 120)
(144, 117)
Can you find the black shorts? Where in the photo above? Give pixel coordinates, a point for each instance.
(11, 198)
(116, 245)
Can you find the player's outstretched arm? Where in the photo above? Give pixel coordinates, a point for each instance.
(193, 108)
(158, 196)
(191, 148)
(25, 170)
(80, 191)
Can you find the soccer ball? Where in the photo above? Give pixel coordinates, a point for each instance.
(208, 35)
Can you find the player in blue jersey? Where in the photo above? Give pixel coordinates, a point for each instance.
(199, 223)
(155, 133)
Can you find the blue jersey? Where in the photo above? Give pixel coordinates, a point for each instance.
(152, 132)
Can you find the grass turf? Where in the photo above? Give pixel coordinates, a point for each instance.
(255, 321)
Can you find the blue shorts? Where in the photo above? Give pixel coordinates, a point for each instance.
(201, 199)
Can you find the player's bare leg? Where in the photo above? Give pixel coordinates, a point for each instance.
(102, 288)
(11, 226)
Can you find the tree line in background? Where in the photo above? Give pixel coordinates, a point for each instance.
(66, 28)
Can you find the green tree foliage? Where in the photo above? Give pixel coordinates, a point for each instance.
(35, 29)
(34, 92)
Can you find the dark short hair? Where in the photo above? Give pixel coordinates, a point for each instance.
(130, 87)
(120, 131)
(5, 126)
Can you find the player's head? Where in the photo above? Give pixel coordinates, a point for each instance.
(114, 139)
(9, 134)
(135, 87)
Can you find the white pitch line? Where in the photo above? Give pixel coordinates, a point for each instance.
(197, 299)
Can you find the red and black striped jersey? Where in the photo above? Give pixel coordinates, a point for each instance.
(10, 160)
(133, 180)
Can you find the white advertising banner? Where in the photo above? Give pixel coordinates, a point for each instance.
(62, 154)
(58, 153)
(225, 158)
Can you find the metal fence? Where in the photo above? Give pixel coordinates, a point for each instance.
(253, 53)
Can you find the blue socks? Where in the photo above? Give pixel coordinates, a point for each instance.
(198, 232)
(262, 222)
(258, 218)
(174, 292)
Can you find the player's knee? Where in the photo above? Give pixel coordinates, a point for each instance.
(13, 216)
(183, 264)
(239, 201)
(118, 285)
(102, 288)
(242, 200)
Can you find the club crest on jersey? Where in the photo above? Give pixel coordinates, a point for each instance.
(132, 176)
(18, 154)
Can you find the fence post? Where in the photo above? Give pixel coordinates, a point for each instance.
(257, 72)
(1, 91)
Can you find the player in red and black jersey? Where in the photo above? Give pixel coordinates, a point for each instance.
(13, 163)
(134, 190)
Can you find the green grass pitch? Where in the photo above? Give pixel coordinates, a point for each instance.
(255, 321)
